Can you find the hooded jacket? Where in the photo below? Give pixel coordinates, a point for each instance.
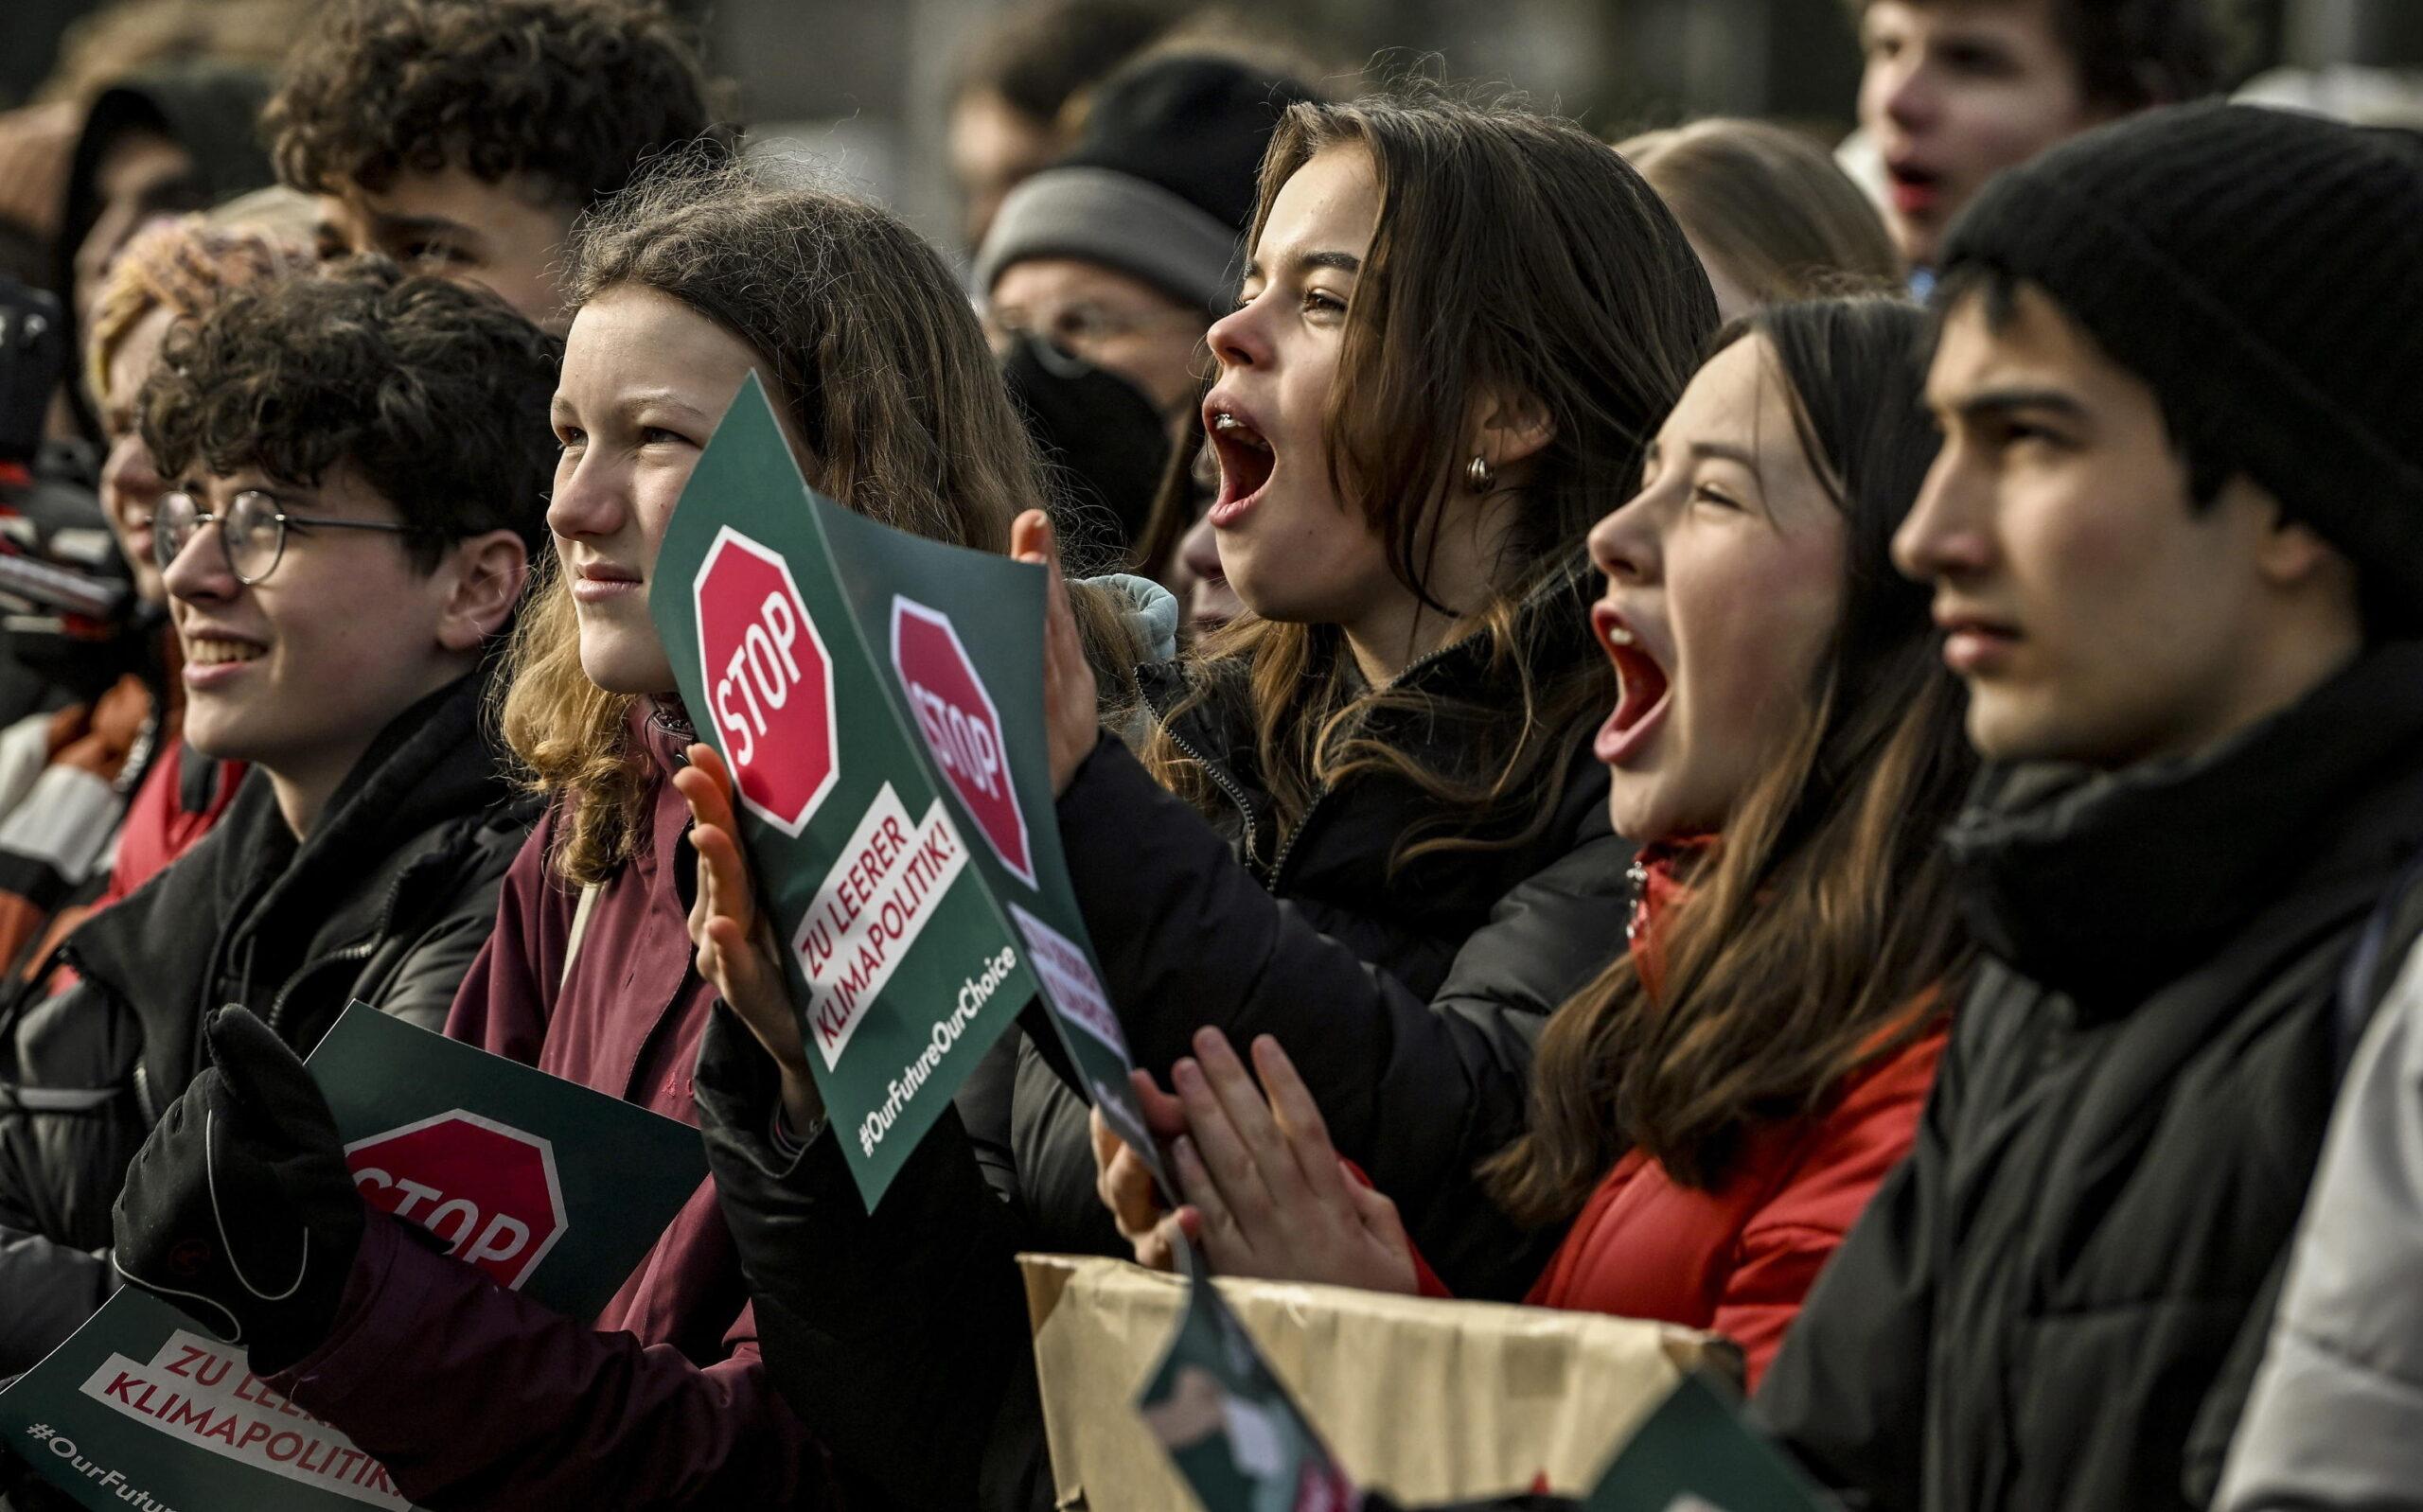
(2059, 1300)
(1410, 997)
(212, 110)
(387, 900)
(661, 1400)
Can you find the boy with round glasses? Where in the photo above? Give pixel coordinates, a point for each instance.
(359, 464)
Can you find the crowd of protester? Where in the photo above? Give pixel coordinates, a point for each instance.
(1844, 774)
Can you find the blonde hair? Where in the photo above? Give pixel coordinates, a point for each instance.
(874, 355)
(1768, 206)
(183, 266)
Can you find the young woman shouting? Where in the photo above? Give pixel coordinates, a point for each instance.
(1710, 1114)
(1365, 818)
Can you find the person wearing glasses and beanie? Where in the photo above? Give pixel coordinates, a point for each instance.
(358, 466)
(1099, 275)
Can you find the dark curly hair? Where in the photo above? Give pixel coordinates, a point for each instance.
(578, 93)
(434, 395)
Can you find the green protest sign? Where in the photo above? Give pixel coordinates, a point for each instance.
(550, 1187)
(1695, 1453)
(878, 700)
(1238, 1439)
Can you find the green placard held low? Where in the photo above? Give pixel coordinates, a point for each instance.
(877, 698)
(1695, 1453)
(552, 1188)
(1236, 1437)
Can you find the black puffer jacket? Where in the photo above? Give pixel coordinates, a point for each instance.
(1410, 997)
(387, 900)
(2058, 1301)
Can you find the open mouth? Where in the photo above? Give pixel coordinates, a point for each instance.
(1914, 190)
(1644, 691)
(1247, 463)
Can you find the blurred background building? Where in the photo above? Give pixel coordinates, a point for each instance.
(866, 83)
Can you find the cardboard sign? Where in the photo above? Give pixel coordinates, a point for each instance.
(1695, 1453)
(1480, 1399)
(550, 1187)
(878, 697)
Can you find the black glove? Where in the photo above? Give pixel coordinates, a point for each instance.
(239, 1209)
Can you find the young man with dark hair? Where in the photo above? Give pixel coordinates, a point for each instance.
(1956, 91)
(461, 137)
(360, 464)
(2176, 538)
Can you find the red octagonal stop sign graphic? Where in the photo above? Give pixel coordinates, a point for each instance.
(770, 683)
(961, 725)
(486, 1188)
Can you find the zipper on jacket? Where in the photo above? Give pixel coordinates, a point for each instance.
(1287, 847)
(360, 950)
(1220, 778)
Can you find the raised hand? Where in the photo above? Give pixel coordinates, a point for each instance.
(1266, 1192)
(735, 939)
(1125, 1185)
(1070, 693)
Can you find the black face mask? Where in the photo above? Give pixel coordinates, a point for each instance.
(1103, 441)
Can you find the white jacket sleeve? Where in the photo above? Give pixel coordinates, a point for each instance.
(2336, 1417)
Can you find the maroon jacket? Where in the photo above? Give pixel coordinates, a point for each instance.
(472, 1395)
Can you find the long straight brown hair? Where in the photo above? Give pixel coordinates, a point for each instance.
(1514, 255)
(1825, 930)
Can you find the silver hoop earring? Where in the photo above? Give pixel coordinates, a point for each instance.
(1478, 474)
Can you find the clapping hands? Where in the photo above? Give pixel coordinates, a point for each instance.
(1264, 1193)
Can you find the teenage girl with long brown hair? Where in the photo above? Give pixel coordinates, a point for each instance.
(1711, 1113)
(1369, 804)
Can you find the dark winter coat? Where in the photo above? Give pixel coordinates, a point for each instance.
(1410, 997)
(661, 1400)
(387, 900)
(2058, 1301)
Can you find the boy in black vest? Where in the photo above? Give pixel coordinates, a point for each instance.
(2176, 534)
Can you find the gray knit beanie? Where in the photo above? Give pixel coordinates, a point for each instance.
(2262, 271)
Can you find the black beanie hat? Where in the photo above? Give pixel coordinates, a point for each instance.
(1161, 182)
(2262, 271)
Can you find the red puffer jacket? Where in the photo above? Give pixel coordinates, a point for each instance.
(1737, 1259)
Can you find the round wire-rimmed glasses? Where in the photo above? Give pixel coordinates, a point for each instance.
(251, 531)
